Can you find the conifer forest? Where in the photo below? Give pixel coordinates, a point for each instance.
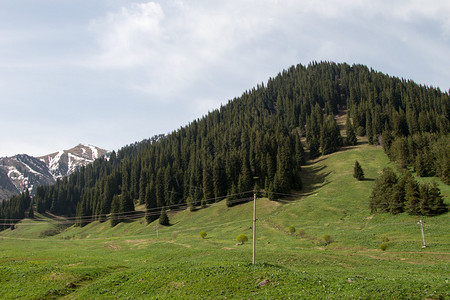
(259, 141)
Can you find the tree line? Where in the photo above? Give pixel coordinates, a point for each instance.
(397, 194)
(255, 140)
(14, 209)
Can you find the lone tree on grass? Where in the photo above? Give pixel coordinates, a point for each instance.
(241, 239)
(203, 234)
(163, 218)
(358, 172)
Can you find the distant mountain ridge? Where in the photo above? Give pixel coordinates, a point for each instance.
(23, 171)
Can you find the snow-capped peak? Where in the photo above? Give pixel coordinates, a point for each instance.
(26, 172)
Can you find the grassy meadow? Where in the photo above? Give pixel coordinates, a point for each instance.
(45, 259)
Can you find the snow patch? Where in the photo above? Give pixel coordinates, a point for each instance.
(30, 169)
(94, 151)
(53, 163)
(14, 174)
(76, 161)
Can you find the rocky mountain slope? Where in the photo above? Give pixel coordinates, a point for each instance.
(27, 172)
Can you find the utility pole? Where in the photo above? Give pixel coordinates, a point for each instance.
(254, 226)
(423, 235)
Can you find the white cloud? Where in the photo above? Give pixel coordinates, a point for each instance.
(172, 60)
(130, 36)
(170, 49)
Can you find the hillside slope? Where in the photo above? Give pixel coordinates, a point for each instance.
(260, 139)
(137, 260)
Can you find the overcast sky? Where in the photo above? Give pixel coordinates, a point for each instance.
(113, 72)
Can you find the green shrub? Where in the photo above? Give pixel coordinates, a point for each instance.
(301, 232)
(328, 239)
(383, 246)
(203, 234)
(291, 230)
(241, 239)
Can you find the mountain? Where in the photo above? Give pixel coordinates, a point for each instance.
(66, 162)
(259, 140)
(22, 171)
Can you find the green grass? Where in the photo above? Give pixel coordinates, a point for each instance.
(131, 262)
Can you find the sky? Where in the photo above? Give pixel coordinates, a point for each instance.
(113, 72)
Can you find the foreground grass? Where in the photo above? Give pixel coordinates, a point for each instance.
(130, 261)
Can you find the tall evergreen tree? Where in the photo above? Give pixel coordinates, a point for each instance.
(358, 172)
(115, 211)
(151, 213)
(412, 198)
(382, 190)
(31, 211)
(436, 204)
(163, 218)
(330, 137)
(126, 203)
(350, 132)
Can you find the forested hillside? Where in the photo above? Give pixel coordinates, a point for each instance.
(255, 140)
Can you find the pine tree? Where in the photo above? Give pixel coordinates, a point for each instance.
(271, 193)
(163, 218)
(31, 211)
(387, 139)
(126, 203)
(143, 180)
(232, 197)
(412, 198)
(115, 210)
(419, 166)
(299, 152)
(425, 199)
(437, 205)
(397, 199)
(330, 137)
(208, 185)
(369, 132)
(350, 132)
(150, 204)
(160, 188)
(245, 181)
(382, 191)
(314, 147)
(219, 178)
(80, 215)
(358, 172)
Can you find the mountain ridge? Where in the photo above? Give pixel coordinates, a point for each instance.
(23, 171)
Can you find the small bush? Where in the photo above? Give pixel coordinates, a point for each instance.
(383, 246)
(203, 234)
(328, 239)
(301, 232)
(291, 230)
(241, 239)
